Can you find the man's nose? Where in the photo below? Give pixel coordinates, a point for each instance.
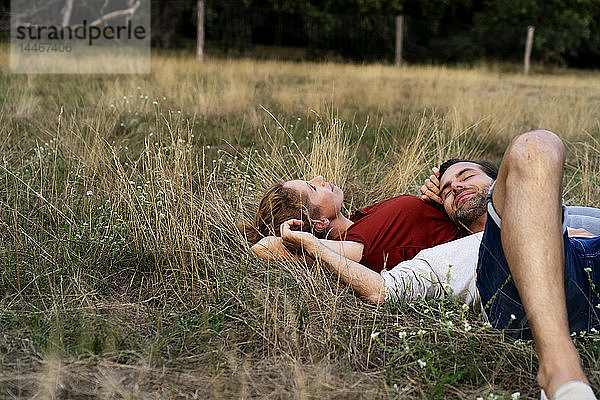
(457, 185)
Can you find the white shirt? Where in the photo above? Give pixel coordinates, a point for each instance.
(447, 269)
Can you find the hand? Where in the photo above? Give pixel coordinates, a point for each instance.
(580, 233)
(430, 191)
(294, 238)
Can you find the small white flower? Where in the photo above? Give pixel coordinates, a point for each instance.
(515, 396)
(155, 102)
(131, 182)
(402, 334)
(299, 118)
(467, 327)
(487, 325)
(124, 97)
(421, 332)
(112, 106)
(465, 307)
(588, 269)
(89, 193)
(396, 386)
(374, 335)
(449, 323)
(512, 317)
(164, 98)
(421, 363)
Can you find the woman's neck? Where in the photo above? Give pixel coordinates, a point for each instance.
(339, 226)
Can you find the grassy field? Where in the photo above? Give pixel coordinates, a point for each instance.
(123, 274)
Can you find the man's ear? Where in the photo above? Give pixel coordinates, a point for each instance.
(321, 224)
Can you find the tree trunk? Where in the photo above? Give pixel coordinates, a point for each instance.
(67, 10)
(200, 44)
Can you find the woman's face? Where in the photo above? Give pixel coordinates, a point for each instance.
(327, 197)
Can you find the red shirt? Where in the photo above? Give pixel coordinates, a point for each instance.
(396, 229)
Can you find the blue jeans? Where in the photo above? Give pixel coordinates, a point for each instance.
(499, 296)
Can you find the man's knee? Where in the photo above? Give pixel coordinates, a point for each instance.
(535, 152)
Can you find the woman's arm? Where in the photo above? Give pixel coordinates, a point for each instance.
(367, 283)
(271, 248)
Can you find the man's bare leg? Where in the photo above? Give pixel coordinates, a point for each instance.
(527, 196)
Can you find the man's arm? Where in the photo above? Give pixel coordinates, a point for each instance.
(579, 233)
(271, 248)
(367, 283)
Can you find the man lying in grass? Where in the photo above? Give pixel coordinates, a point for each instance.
(529, 278)
(382, 235)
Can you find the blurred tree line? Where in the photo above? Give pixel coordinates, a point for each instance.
(567, 31)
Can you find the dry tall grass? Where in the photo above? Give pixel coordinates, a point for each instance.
(124, 275)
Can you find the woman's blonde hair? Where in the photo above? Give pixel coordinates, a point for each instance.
(278, 205)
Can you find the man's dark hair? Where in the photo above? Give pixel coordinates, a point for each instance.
(488, 167)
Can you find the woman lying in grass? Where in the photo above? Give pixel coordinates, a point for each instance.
(381, 235)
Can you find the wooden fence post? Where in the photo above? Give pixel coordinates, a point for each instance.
(399, 23)
(528, 45)
(200, 38)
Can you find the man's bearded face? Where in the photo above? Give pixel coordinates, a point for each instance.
(464, 188)
(472, 208)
